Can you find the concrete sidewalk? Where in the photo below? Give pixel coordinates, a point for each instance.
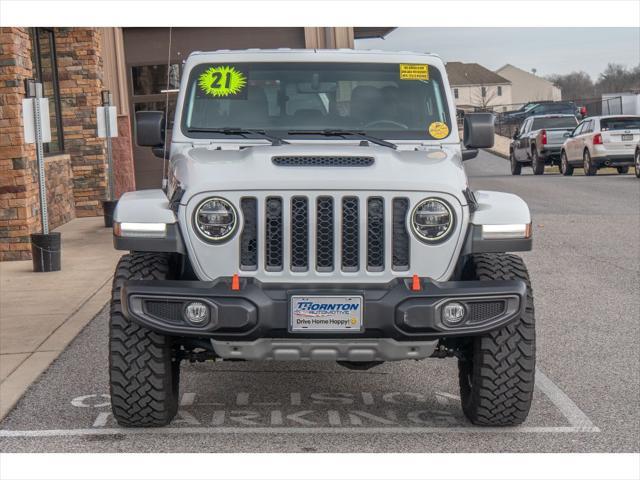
(500, 146)
(40, 313)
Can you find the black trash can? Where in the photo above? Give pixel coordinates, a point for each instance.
(108, 206)
(45, 251)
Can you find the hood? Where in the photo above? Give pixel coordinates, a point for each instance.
(430, 169)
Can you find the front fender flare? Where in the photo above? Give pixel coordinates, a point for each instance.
(147, 206)
(497, 208)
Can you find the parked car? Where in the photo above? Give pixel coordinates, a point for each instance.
(541, 108)
(604, 141)
(538, 142)
(637, 161)
(285, 238)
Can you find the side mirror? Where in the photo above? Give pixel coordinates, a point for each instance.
(150, 128)
(516, 134)
(567, 134)
(479, 130)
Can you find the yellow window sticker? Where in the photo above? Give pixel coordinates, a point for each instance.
(438, 130)
(414, 71)
(222, 81)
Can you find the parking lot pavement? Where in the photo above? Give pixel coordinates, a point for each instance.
(584, 266)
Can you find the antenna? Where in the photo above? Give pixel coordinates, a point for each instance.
(166, 117)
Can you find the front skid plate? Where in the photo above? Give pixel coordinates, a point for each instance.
(367, 350)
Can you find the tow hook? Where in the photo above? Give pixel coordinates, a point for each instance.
(442, 351)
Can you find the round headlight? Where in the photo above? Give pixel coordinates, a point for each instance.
(432, 220)
(215, 219)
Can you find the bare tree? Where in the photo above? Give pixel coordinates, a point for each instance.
(574, 85)
(618, 78)
(483, 98)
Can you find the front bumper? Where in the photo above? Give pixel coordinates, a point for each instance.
(262, 310)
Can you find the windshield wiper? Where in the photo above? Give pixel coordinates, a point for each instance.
(344, 133)
(275, 141)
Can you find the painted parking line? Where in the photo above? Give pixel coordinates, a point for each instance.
(576, 417)
(577, 420)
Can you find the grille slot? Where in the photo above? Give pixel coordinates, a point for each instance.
(481, 311)
(299, 234)
(322, 161)
(324, 234)
(249, 236)
(375, 234)
(350, 234)
(400, 241)
(163, 310)
(274, 236)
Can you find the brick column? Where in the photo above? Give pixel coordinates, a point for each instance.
(19, 214)
(81, 81)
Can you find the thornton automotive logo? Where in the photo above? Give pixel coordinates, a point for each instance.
(315, 309)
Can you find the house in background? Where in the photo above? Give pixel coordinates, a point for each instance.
(476, 87)
(527, 87)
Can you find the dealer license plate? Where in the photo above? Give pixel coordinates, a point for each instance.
(326, 313)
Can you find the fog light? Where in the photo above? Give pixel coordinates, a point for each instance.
(453, 313)
(196, 313)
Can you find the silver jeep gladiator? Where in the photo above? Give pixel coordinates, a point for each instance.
(316, 208)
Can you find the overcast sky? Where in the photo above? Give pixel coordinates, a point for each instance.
(549, 50)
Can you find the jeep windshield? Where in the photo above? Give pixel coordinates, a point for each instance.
(286, 99)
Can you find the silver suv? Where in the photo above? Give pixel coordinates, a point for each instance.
(606, 141)
(317, 208)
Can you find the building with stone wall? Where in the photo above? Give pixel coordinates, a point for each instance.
(75, 65)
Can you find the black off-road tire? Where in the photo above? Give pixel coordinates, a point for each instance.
(587, 164)
(516, 166)
(566, 168)
(143, 372)
(497, 372)
(622, 170)
(536, 163)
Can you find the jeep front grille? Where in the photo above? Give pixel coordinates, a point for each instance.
(324, 233)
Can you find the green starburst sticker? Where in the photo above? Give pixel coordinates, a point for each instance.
(222, 81)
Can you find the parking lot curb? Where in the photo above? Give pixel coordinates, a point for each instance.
(27, 372)
(497, 153)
